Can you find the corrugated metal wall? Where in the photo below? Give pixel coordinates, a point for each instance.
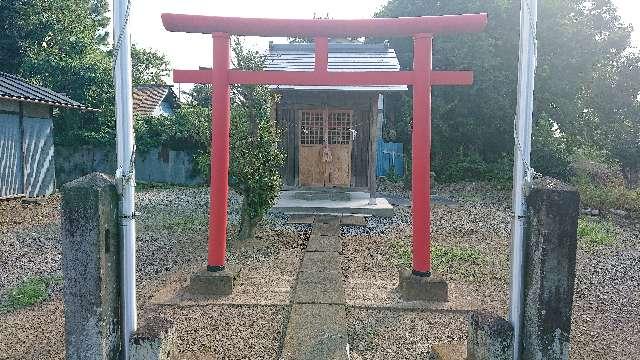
(390, 156)
(26, 152)
(38, 153)
(11, 180)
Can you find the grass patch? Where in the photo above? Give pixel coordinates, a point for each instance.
(462, 262)
(29, 292)
(182, 223)
(148, 186)
(594, 233)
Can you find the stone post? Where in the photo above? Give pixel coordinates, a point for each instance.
(490, 337)
(550, 267)
(154, 340)
(91, 267)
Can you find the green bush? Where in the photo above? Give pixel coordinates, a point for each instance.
(187, 129)
(469, 166)
(605, 197)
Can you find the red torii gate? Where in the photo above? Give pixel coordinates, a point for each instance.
(422, 77)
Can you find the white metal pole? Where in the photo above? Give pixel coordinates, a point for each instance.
(126, 170)
(522, 171)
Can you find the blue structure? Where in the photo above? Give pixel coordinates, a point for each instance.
(390, 156)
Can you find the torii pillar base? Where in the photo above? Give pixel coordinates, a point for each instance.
(422, 288)
(213, 283)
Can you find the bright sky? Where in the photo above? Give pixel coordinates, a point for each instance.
(189, 51)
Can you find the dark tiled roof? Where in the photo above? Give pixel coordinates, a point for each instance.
(342, 57)
(146, 98)
(15, 88)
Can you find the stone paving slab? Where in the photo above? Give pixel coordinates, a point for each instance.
(321, 261)
(332, 220)
(300, 219)
(319, 288)
(324, 243)
(353, 220)
(316, 331)
(329, 229)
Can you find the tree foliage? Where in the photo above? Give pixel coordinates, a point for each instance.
(63, 45)
(255, 157)
(579, 42)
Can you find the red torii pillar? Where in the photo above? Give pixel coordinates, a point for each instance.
(422, 78)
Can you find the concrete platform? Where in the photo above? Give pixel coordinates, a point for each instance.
(288, 202)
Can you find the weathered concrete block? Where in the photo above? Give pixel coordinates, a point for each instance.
(454, 351)
(154, 340)
(324, 243)
(550, 267)
(316, 331)
(353, 220)
(91, 266)
(490, 337)
(327, 229)
(332, 220)
(319, 287)
(321, 261)
(428, 288)
(213, 283)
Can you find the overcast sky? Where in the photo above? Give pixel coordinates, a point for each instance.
(188, 51)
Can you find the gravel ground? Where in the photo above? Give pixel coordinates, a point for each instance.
(172, 244)
(402, 335)
(606, 314)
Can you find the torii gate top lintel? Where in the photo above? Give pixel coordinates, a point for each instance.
(381, 27)
(421, 77)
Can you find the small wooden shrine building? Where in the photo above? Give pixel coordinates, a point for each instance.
(329, 132)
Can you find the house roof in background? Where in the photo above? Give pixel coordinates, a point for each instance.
(146, 98)
(342, 57)
(13, 87)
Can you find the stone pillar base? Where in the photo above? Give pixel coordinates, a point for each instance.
(417, 288)
(213, 283)
(490, 337)
(455, 351)
(154, 340)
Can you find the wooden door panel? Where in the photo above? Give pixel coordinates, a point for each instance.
(311, 166)
(340, 166)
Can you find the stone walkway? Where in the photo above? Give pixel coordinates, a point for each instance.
(317, 326)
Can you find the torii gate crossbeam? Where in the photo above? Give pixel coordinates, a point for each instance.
(422, 78)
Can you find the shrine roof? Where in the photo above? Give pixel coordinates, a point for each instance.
(342, 57)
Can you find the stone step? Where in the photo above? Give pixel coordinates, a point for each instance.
(316, 331)
(327, 229)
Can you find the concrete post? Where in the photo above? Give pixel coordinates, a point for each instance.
(489, 337)
(91, 266)
(550, 267)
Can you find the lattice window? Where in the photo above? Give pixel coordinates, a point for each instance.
(311, 128)
(339, 127)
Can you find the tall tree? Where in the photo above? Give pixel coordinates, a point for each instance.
(64, 45)
(574, 37)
